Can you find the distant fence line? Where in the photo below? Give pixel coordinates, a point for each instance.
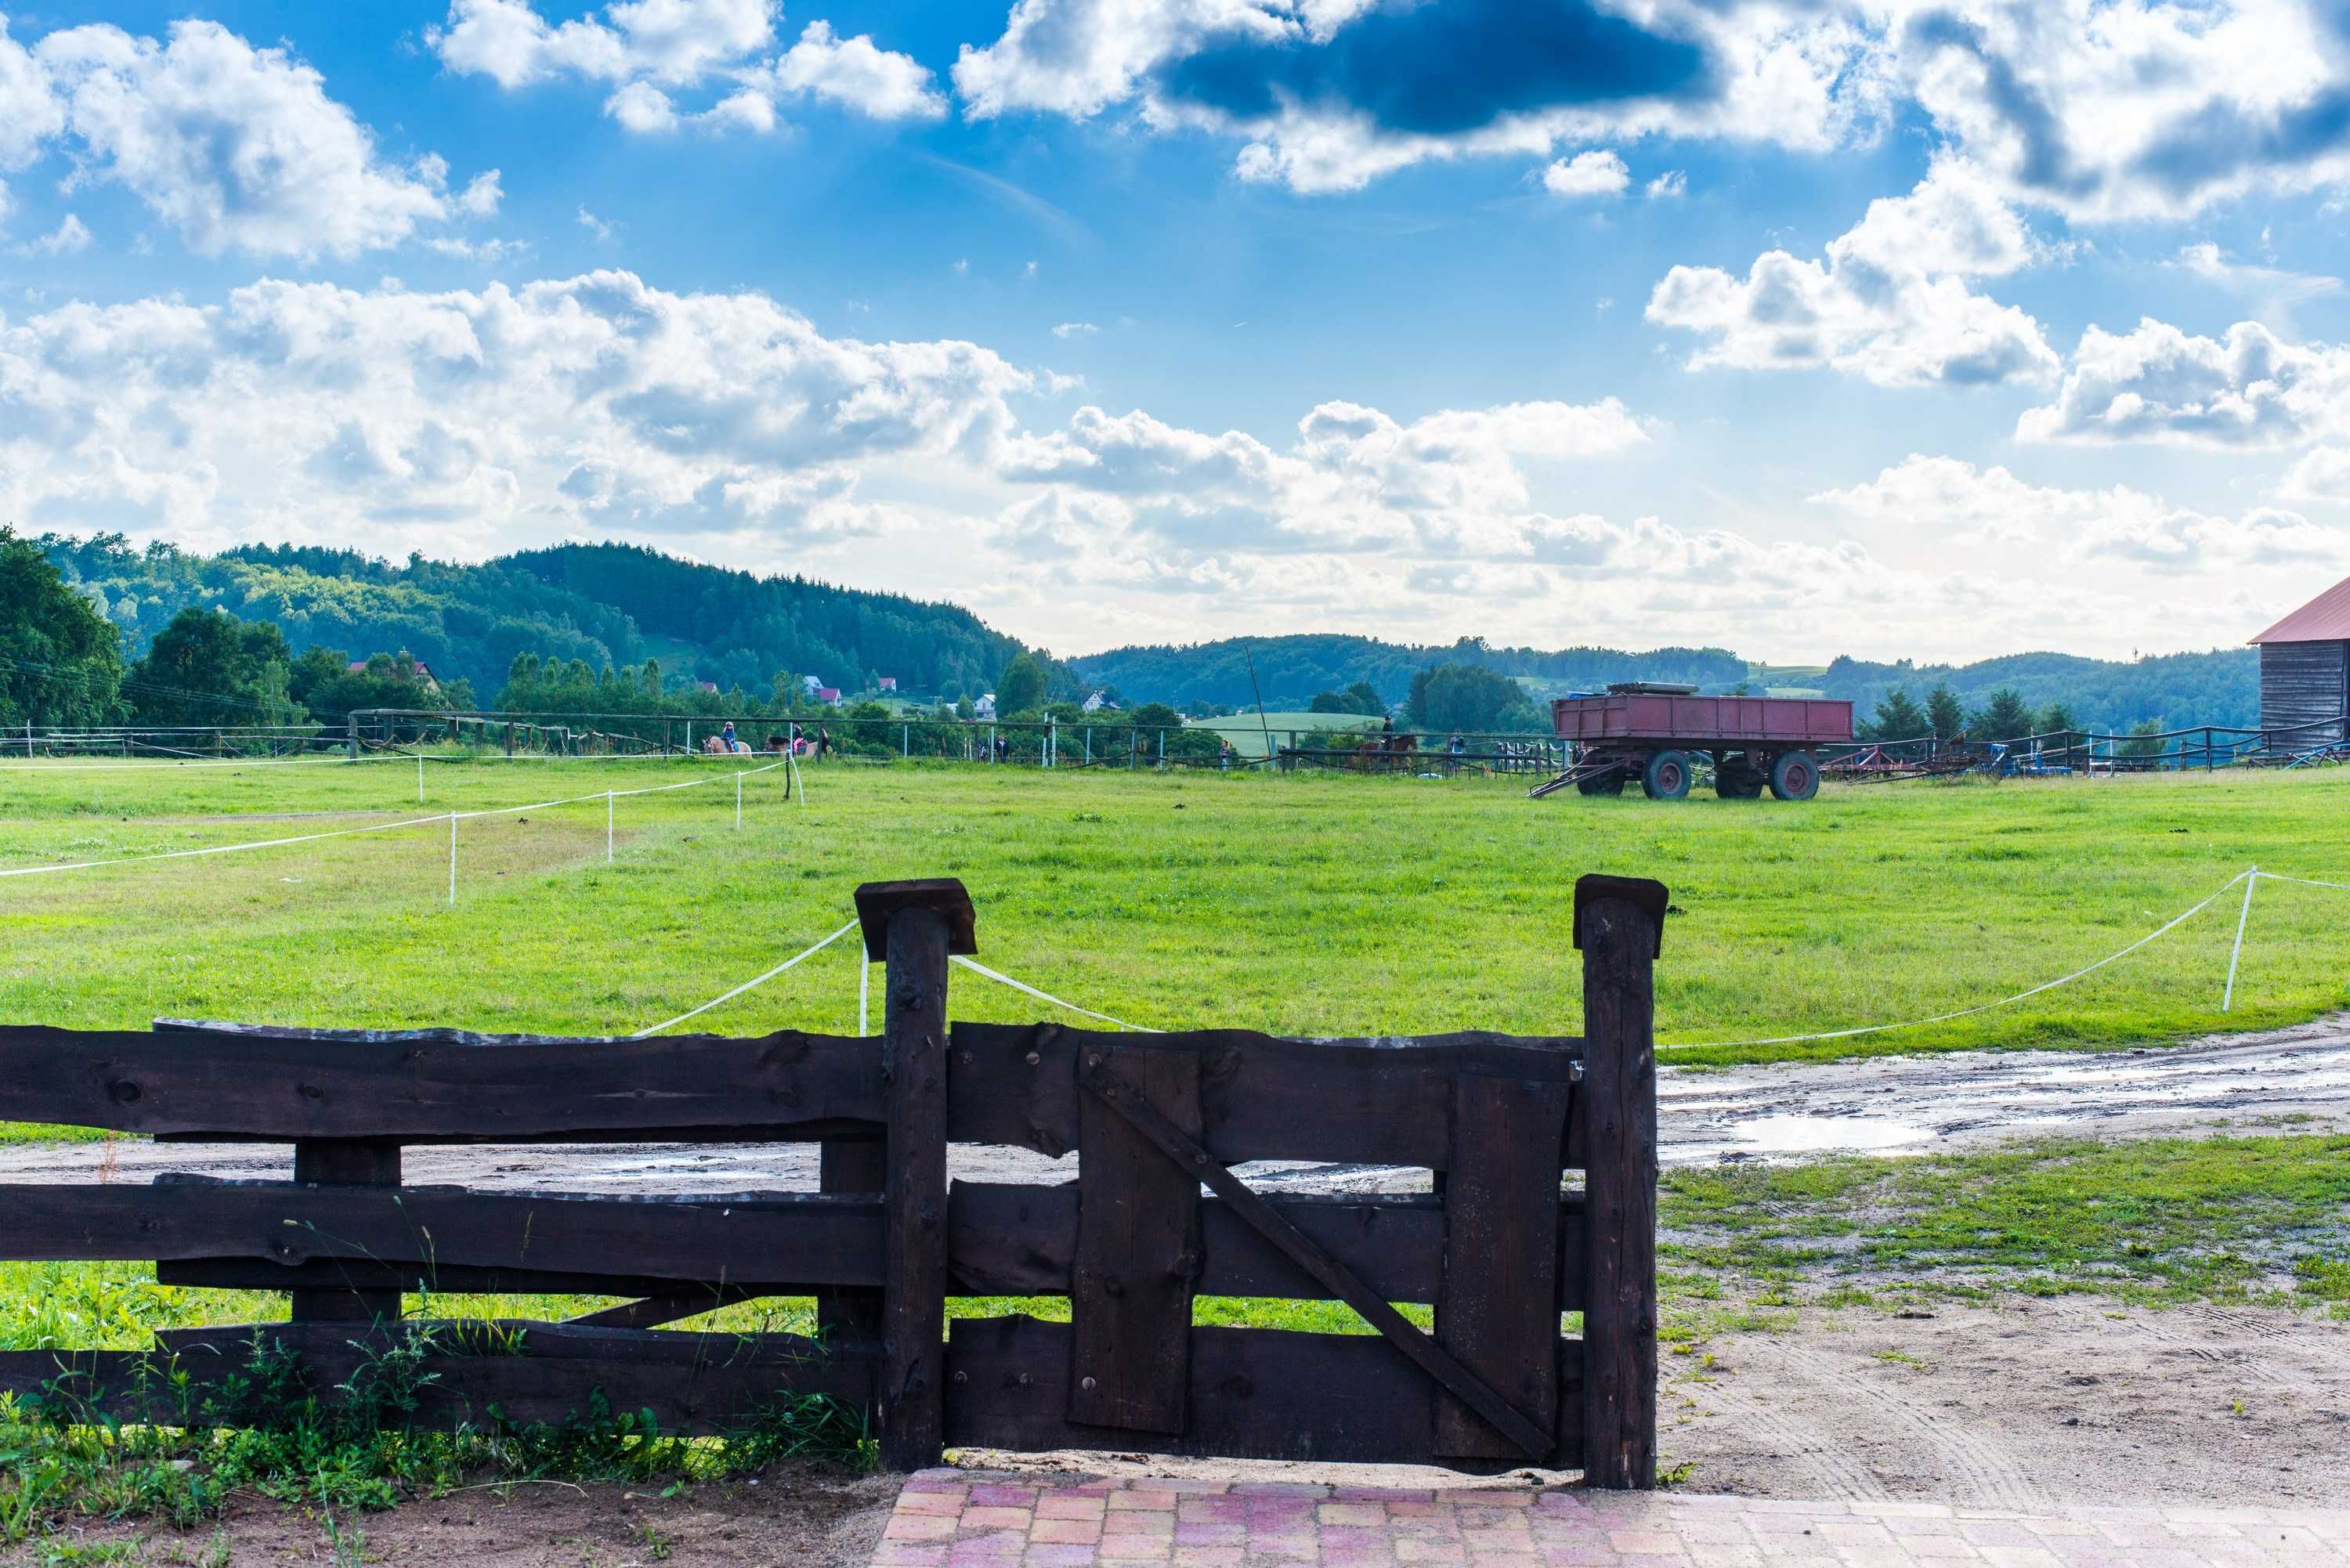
(1105, 743)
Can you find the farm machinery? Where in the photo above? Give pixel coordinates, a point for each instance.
(1659, 735)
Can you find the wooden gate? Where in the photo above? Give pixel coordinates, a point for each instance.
(1499, 1250)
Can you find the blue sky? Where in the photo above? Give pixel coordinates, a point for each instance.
(1934, 328)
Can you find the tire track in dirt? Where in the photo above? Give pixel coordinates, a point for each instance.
(1981, 1471)
(1833, 1473)
(2171, 1331)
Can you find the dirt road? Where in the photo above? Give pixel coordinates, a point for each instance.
(2030, 1404)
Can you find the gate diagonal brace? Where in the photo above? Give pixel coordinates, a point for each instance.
(1100, 1081)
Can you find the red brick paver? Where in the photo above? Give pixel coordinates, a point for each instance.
(952, 1519)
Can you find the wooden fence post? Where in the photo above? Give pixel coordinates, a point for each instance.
(346, 1162)
(914, 926)
(1619, 928)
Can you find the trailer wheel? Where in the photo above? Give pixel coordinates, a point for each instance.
(1666, 775)
(1606, 783)
(1795, 776)
(1735, 778)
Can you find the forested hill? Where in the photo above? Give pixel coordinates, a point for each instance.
(1291, 669)
(601, 604)
(620, 604)
(2221, 687)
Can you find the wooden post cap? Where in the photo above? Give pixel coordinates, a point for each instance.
(1651, 897)
(877, 901)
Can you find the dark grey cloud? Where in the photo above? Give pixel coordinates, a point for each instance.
(1444, 69)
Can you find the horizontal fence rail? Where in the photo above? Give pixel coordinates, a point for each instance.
(1155, 1218)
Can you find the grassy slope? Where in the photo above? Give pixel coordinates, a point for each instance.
(1301, 905)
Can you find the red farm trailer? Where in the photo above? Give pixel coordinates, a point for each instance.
(1659, 734)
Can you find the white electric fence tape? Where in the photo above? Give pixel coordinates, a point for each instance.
(2251, 877)
(71, 767)
(748, 984)
(985, 972)
(372, 828)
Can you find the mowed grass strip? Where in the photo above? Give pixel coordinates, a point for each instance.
(1304, 904)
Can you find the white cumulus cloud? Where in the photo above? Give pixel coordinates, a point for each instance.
(1600, 173)
(649, 51)
(1891, 301)
(1954, 503)
(2155, 382)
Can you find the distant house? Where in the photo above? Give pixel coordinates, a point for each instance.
(811, 684)
(423, 674)
(886, 682)
(828, 694)
(984, 707)
(706, 685)
(1099, 703)
(2305, 673)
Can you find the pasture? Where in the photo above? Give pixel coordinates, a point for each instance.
(1324, 905)
(1301, 905)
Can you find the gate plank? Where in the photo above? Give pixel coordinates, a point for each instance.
(1254, 1393)
(1138, 1250)
(417, 1086)
(419, 1233)
(1497, 1310)
(1013, 1238)
(474, 1373)
(1365, 1102)
(1310, 1255)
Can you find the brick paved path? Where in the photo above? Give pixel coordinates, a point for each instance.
(955, 1518)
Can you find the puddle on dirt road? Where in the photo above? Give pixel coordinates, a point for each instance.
(2297, 1078)
(1799, 1135)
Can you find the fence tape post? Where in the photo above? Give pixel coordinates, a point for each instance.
(738, 800)
(607, 827)
(420, 778)
(2228, 997)
(453, 859)
(864, 989)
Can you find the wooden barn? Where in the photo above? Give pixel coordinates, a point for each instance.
(2306, 672)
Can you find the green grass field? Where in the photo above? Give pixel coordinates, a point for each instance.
(1301, 905)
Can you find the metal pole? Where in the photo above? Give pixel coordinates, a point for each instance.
(420, 778)
(864, 986)
(453, 859)
(2251, 880)
(906, 741)
(607, 827)
(738, 800)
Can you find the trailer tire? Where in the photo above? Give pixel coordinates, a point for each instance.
(1795, 776)
(1666, 775)
(1606, 783)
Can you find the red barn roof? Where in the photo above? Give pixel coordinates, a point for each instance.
(2325, 618)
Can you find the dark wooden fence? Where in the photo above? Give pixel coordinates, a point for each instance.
(1500, 1249)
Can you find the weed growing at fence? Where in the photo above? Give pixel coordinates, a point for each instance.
(2246, 1218)
(64, 1456)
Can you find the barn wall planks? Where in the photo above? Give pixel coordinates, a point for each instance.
(2305, 683)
